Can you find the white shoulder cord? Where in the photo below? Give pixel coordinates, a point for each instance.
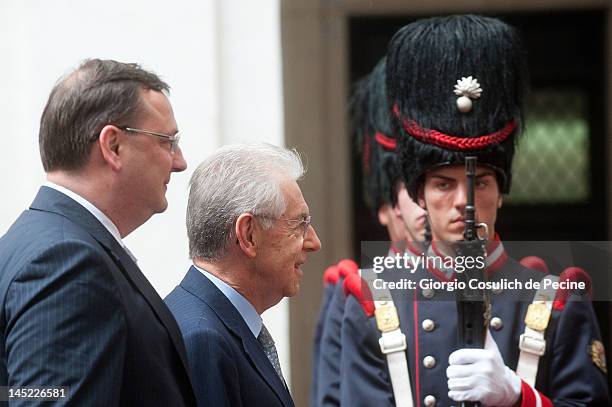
(392, 341)
(532, 343)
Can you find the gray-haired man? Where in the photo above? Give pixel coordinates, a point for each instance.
(249, 234)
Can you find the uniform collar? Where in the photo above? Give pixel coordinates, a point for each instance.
(402, 246)
(496, 257)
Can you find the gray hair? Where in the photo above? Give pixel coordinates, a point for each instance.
(236, 179)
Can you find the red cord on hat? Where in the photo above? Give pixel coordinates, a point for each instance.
(387, 142)
(448, 141)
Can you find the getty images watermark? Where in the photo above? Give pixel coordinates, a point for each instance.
(409, 262)
(583, 269)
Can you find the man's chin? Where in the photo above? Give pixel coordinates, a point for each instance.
(162, 206)
(450, 238)
(292, 291)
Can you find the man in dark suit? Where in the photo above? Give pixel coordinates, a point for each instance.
(77, 312)
(249, 234)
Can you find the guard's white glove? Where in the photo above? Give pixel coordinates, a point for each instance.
(481, 375)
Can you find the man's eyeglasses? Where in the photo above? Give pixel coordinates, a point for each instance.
(301, 223)
(173, 140)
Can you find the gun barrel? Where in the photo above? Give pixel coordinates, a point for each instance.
(471, 303)
(470, 209)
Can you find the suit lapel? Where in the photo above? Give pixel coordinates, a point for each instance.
(148, 292)
(257, 355)
(205, 290)
(50, 200)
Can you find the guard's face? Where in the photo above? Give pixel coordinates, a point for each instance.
(285, 245)
(412, 214)
(391, 218)
(444, 197)
(150, 162)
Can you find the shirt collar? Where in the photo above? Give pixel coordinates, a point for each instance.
(97, 213)
(243, 306)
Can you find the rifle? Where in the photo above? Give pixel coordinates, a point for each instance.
(473, 305)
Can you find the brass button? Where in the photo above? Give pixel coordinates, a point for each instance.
(429, 401)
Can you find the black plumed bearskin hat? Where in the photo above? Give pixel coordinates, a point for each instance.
(375, 142)
(425, 60)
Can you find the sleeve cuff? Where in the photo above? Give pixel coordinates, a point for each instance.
(530, 397)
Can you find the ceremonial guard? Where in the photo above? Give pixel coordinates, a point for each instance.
(456, 87)
(387, 198)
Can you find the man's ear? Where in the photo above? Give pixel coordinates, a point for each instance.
(500, 201)
(383, 215)
(421, 197)
(109, 141)
(397, 188)
(244, 229)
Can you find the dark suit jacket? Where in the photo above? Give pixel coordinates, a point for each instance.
(78, 312)
(228, 365)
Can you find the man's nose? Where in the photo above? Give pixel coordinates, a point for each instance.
(311, 241)
(179, 163)
(460, 197)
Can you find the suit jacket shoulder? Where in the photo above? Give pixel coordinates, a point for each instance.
(78, 312)
(226, 361)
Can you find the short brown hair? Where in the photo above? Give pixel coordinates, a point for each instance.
(97, 93)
